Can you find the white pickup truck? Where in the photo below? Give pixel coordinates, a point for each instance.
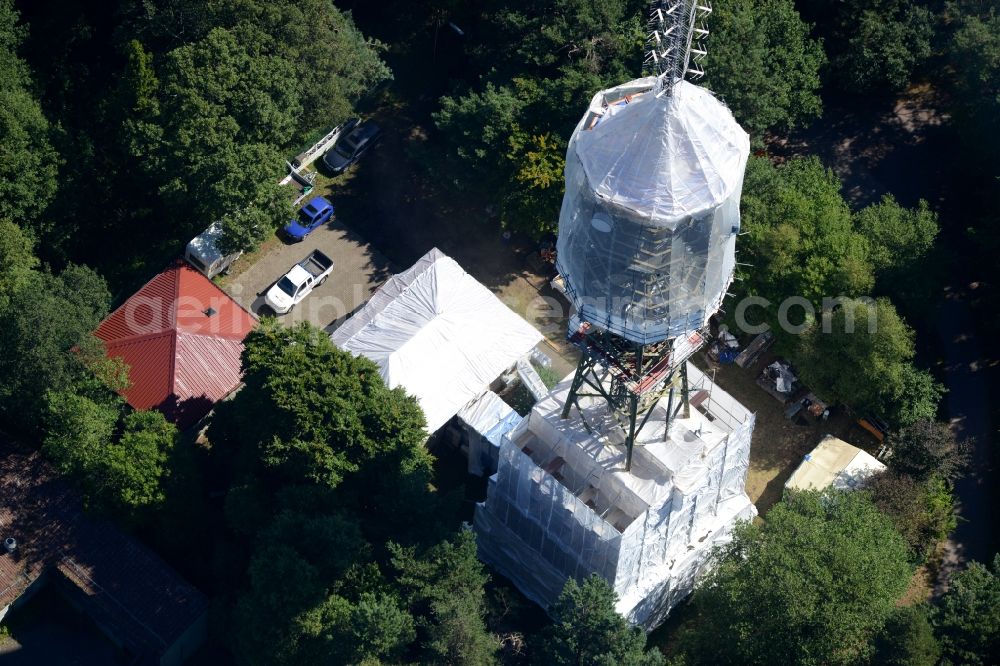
(299, 282)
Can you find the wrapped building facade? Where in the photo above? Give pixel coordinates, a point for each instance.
(561, 504)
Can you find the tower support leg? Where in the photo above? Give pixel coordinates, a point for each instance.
(670, 413)
(582, 368)
(633, 409)
(685, 398)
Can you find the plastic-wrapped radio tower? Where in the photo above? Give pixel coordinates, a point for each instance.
(635, 467)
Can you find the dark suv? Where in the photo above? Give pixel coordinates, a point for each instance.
(351, 146)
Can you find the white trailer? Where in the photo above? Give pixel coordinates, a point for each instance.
(203, 254)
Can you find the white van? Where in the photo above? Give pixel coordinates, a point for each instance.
(203, 255)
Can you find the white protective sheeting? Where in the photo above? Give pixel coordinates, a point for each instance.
(438, 333)
(488, 418)
(665, 157)
(834, 463)
(561, 504)
(648, 225)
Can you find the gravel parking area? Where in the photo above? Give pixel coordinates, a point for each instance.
(358, 268)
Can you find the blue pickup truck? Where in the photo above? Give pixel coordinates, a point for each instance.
(315, 213)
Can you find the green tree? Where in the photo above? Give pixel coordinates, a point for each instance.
(928, 448)
(78, 429)
(588, 630)
(17, 261)
(861, 355)
(135, 465)
(602, 37)
(545, 61)
(876, 45)
(311, 412)
(967, 618)
(226, 88)
(900, 243)
(908, 639)
(800, 240)
(897, 237)
(119, 461)
(477, 128)
(379, 627)
(298, 558)
(28, 162)
(141, 131)
(229, 108)
(813, 584)
(335, 64)
(166, 24)
(325, 464)
(533, 207)
(975, 57)
(922, 511)
(763, 63)
(445, 589)
(239, 174)
(45, 320)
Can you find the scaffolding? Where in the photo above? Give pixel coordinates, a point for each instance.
(648, 225)
(562, 505)
(634, 468)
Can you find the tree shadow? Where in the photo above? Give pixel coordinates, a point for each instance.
(185, 413)
(392, 200)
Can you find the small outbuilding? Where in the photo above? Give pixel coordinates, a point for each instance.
(834, 463)
(440, 334)
(136, 600)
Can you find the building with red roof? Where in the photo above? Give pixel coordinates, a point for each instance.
(182, 337)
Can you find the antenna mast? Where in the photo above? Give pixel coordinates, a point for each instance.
(676, 41)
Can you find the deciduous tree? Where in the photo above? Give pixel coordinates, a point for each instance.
(45, 320)
(813, 584)
(908, 639)
(928, 448)
(922, 511)
(587, 629)
(764, 64)
(119, 460)
(17, 261)
(877, 45)
(975, 57)
(29, 164)
(801, 240)
(445, 589)
(861, 355)
(967, 618)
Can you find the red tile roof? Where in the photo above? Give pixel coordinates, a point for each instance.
(181, 359)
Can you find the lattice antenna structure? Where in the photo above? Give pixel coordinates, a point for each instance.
(676, 41)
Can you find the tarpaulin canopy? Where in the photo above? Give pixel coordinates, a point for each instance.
(438, 333)
(834, 463)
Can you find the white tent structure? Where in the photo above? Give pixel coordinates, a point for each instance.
(561, 504)
(834, 463)
(438, 333)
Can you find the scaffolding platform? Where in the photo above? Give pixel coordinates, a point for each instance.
(562, 505)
